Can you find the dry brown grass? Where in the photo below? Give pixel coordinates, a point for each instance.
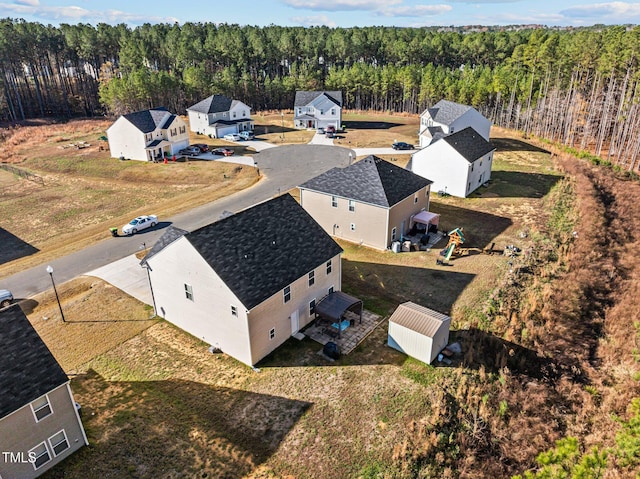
(85, 191)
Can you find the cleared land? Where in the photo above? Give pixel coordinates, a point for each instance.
(545, 336)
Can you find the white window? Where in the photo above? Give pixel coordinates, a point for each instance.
(41, 408)
(330, 290)
(40, 455)
(312, 307)
(353, 226)
(322, 112)
(333, 111)
(183, 129)
(234, 114)
(352, 205)
(334, 201)
(188, 291)
(480, 162)
(393, 234)
(471, 166)
(329, 267)
(312, 278)
(59, 443)
(234, 311)
(299, 111)
(272, 333)
(287, 294)
(415, 199)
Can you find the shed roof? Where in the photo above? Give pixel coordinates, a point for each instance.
(147, 120)
(259, 251)
(470, 144)
(417, 318)
(371, 180)
(305, 97)
(28, 370)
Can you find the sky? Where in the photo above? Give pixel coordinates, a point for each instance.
(333, 13)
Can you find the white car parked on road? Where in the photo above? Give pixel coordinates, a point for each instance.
(232, 137)
(6, 298)
(140, 223)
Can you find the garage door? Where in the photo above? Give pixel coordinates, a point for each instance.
(226, 129)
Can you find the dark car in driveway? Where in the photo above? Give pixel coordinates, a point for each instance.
(202, 147)
(401, 145)
(223, 151)
(190, 151)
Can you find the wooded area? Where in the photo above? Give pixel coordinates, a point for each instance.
(578, 87)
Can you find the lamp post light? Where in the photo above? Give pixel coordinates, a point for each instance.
(282, 115)
(350, 158)
(50, 271)
(146, 266)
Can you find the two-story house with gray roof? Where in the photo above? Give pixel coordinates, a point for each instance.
(39, 422)
(446, 117)
(245, 283)
(457, 164)
(219, 115)
(371, 202)
(317, 109)
(147, 135)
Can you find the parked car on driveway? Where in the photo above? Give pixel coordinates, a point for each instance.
(320, 131)
(6, 298)
(246, 135)
(201, 146)
(223, 151)
(190, 151)
(401, 145)
(330, 130)
(140, 223)
(232, 137)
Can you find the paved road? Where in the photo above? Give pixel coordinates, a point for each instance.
(282, 168)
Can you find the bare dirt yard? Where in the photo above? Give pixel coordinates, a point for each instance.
(549, 340)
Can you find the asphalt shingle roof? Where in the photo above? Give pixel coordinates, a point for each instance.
(305, 97)
(371, 180)
(446, 112)
(260, 250)
(173, 233)
(469, 143)
(213, 104)
(28, 370)
(147, 120)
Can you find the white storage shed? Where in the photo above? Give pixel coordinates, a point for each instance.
(418, 332)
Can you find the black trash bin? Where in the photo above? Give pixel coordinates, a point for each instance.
(114, 231)
(331, 350)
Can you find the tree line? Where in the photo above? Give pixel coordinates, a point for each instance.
(578, 87)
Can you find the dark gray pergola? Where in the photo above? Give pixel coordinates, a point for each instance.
(335, 304)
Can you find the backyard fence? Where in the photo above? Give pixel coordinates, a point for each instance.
(22, 173)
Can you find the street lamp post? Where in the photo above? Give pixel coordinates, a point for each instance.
(50, 271)
(350, 158)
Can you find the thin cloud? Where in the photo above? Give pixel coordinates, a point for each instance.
(484, 1)
(618, 11)
(341, 5)
(314, 21)
(77, 14)
(415, 11)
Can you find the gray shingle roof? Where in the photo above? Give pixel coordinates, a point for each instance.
(469, 143)
(173, 233)
(446, 112)
(305, 97)
(28, 370)
(213, 104)
(371, 180)
(147, 120)
(170, 120)
(259, 251)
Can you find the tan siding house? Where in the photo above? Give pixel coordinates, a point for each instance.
(39, 422)
(370, 202)
(246, 283)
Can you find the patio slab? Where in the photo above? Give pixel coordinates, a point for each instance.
(322, 332)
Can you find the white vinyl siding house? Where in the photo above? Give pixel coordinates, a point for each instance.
(219, 115)
(457, 164)
(248, 297)
(317, 109)
(147, 135)
(446, 117)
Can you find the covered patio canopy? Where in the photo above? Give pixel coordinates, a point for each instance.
(334, 305)
(426, 218)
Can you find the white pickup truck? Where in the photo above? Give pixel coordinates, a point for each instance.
(246, 135)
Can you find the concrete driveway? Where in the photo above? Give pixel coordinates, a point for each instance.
(126, 274)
